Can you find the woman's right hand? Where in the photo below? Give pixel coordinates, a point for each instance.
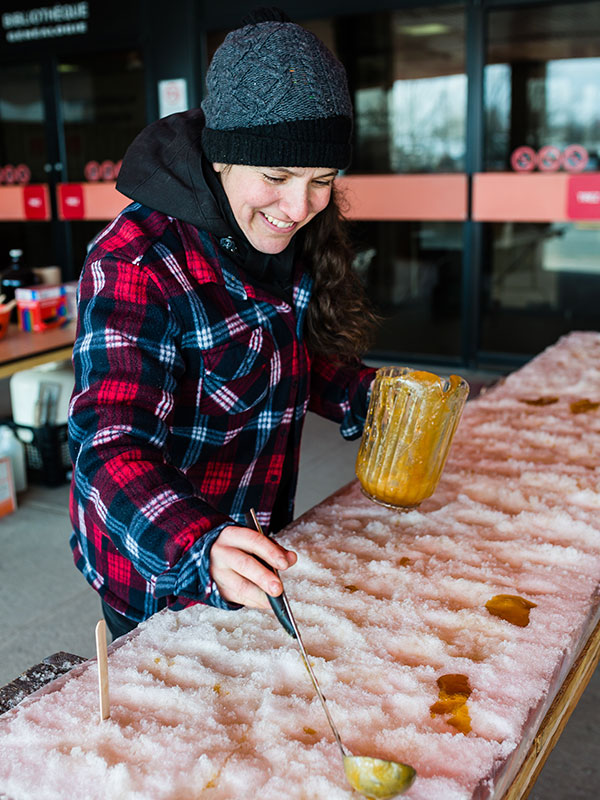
(242, 579)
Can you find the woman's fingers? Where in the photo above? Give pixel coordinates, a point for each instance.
(240, 577)
(236, 589)
(251, 541)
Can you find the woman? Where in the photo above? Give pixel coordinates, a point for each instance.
(213, 312)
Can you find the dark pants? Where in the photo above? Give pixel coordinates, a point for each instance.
(118, 624)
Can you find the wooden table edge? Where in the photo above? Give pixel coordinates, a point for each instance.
(21, 350)
(11, 367)
(556, 718)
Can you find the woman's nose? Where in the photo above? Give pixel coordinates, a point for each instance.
(295, 202)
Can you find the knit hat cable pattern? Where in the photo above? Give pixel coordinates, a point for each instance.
(276, 96)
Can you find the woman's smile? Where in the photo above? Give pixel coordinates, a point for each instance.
(278, 222)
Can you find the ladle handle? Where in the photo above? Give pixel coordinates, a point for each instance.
(313, 677)
(283, 612)
(277, 603)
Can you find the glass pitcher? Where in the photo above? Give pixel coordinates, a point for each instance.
(411, 419)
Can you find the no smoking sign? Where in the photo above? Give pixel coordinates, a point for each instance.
(549, 158)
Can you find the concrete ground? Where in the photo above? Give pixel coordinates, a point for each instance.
(46, 606)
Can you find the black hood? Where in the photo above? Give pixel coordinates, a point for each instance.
(164, 168)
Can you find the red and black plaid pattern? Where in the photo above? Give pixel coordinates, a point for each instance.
(191, 388)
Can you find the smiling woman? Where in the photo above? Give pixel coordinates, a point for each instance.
(214, 312)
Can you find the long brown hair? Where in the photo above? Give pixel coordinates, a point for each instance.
(339, 320)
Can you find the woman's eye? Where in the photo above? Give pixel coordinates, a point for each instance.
(274, 178)
(323, 183)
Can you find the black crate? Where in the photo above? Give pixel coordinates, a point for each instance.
(46, 453)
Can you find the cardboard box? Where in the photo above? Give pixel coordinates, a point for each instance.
(40, 308)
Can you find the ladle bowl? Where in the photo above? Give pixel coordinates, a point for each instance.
(377, 778)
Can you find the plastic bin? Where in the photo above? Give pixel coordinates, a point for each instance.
(46, 453)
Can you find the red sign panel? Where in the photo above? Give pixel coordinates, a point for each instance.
(584, 197)
(70, 201)
(35, 202)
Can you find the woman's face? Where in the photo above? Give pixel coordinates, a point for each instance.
(270, 204)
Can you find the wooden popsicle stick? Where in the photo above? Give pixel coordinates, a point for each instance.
(102, 669)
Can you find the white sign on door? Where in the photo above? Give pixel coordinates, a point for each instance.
(172, 96)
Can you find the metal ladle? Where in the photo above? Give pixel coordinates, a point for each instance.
(375, 778)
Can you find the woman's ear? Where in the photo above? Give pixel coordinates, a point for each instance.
(218, 167)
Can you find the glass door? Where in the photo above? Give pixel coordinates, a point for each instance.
(538, 200)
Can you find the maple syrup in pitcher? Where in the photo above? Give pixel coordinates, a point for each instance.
(411, 420)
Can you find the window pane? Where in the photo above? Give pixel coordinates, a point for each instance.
(407, 75)
(22, 137)
(23, 141)
(103, 106)
(542, 280)
(542, 81)
(412, 271)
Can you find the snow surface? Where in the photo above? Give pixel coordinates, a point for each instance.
(215, 704)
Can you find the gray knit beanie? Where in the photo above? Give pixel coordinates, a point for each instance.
(276, 97)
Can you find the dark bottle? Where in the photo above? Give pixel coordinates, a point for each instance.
(16, 276)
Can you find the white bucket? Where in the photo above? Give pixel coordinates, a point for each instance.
(41, 396)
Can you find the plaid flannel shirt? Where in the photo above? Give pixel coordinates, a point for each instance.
(189, 382)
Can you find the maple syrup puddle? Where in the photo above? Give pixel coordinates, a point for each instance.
(454, 691)
(512, 608)
(539, 401)
(584, 405)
